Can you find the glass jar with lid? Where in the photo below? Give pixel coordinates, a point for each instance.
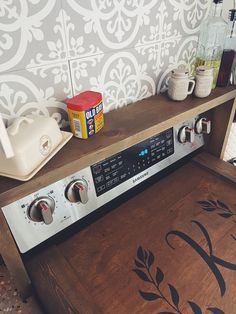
(204, 79)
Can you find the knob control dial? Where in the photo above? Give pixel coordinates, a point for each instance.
(77, 191)
(41, 209)
(185, 135)
(203, 126)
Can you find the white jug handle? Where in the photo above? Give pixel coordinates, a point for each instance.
(191, 86)
(5, 141)
(14, 128)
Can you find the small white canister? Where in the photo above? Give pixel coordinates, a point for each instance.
(180, 86)
(204, 80)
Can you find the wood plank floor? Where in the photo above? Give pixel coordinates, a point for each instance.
(170, 249)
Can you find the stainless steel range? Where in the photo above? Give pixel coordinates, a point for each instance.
(40, 215)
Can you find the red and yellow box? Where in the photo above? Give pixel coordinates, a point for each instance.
(85, 113)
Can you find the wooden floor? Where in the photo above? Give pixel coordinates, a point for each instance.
(170, 249)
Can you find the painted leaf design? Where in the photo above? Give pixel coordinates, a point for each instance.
(205, 203)
(209, 209)
(208, 205)
(174, 295)
(150, 259)
(140, 254)
(138, 264)
(215, 310)
(141, 275)
(149, 296)
(145, 255)
(159, 276)
(166, 313)
(213, 202)
(223, 205)
(196, 309)
(225, 215)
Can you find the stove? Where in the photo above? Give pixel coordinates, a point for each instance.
(44, 213)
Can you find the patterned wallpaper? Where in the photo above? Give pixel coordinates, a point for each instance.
(51, 50)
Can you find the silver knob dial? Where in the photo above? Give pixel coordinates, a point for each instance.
(203, 126)
(41, 209)
(185, 135)
(77, 191)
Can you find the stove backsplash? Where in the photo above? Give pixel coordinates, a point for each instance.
(51, 50)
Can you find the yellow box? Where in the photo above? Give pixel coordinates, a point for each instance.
(85, 113)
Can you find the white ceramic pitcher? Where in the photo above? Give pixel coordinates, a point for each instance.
(5, 141)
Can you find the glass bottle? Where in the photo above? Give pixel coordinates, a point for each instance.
(228, 53)
(211, 40)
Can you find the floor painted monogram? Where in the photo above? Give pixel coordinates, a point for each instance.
(145, 260)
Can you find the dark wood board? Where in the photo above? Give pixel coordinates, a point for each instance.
(189, 246)
(219, 167)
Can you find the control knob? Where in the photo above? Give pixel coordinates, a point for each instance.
(203, 126)
(77, 191)
(186, 134)
(41, 209)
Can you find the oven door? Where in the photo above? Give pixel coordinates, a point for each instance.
(169, 249)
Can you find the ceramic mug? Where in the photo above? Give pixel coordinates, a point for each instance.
(180, 86)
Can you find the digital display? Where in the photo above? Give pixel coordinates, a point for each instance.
(115, 170)
(143, 153)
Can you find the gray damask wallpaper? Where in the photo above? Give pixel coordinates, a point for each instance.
(51, 50)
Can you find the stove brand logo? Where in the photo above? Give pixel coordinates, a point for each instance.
(140, 177)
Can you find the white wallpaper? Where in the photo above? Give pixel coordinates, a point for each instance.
(51, 50)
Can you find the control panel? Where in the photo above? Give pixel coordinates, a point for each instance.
(40, 215)
(113, 171)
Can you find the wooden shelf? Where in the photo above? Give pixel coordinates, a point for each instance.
(123, 128)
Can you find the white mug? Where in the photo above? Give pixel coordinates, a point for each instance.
(180, 86)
